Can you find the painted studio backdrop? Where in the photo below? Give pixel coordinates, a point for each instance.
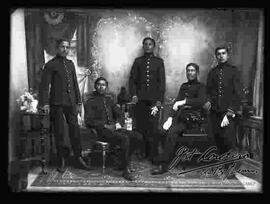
(105, 42)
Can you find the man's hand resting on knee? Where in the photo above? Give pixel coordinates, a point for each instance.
(167, 124)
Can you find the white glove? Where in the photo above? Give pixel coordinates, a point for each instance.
(225, 121)
(178, 103)
(118, 126)
(167, 124)
(154, 110)
(207, 105)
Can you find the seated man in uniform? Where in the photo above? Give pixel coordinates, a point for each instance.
(100, 114)
(191, 93)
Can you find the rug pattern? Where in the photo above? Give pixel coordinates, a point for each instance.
(112, 178)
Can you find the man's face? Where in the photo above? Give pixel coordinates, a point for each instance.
(148, 46)
(63, 48)
(101, 86)
(191, 73)
(222, 55)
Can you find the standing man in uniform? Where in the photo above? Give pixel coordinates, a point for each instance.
(147, 88)
(224, 92)
(60, 96)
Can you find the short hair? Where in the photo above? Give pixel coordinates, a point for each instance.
(101, 79)
(148, 38)
(60, 40)
(221, 48)
(193, 65)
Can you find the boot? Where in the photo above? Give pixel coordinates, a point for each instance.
(81, 164)
(128, 175)
(62, 167)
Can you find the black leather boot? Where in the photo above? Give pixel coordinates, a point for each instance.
(127, 174)
(81, 164)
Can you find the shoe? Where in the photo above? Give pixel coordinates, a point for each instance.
(128, 175)
(81, 164)
(160, 170)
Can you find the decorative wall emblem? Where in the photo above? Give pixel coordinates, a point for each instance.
(53, 17)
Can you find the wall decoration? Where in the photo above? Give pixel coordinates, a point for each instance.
(53, 17)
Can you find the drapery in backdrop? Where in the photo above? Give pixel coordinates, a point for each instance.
(35, 48)
(40, 36)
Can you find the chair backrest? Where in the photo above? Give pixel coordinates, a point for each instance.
(190, 114)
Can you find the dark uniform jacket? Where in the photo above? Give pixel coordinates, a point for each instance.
(59, 85)
(100, 109)
(195, 94)
(147, 78)
(224, 88)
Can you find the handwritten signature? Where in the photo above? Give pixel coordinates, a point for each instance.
(184, 154)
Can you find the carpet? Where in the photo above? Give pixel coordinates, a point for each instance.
(112, 178)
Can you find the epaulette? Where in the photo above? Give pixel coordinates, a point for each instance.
(184, 83)
(158, 58)
(141, 57)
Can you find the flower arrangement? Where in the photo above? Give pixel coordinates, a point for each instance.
(28, 101)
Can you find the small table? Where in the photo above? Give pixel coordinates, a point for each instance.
(35, 138)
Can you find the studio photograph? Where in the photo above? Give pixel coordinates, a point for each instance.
(141, 100)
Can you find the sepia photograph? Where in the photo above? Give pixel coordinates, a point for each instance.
(163, 100)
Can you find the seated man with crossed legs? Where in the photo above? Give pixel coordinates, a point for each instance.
(191, 93)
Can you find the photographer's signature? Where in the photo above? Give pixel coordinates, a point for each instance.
(184, 154)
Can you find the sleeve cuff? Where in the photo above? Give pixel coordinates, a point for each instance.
(230, 110)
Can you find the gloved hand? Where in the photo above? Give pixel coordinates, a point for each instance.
(225, 121)
(167, 124)
(207, 106)
(118, 126)
(154, 110)
(178, 103)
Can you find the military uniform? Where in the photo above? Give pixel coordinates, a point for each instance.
(147, 82)
(59, 88)
(224, 91)
(195, 94)
(100, 110)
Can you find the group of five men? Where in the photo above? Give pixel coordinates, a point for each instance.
(59, 94)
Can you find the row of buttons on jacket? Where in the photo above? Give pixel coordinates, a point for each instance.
(147, 72)
(68, 76)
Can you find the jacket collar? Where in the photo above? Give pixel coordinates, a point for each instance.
(222, 65)
(195, 81)
(98, 94)
(148, 54)
(60, 57)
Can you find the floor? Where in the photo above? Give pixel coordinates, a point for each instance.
(251, 185)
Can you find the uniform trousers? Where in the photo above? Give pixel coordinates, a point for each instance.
(58, 115)
(147, 125)
(120, 137)
(225, 137)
